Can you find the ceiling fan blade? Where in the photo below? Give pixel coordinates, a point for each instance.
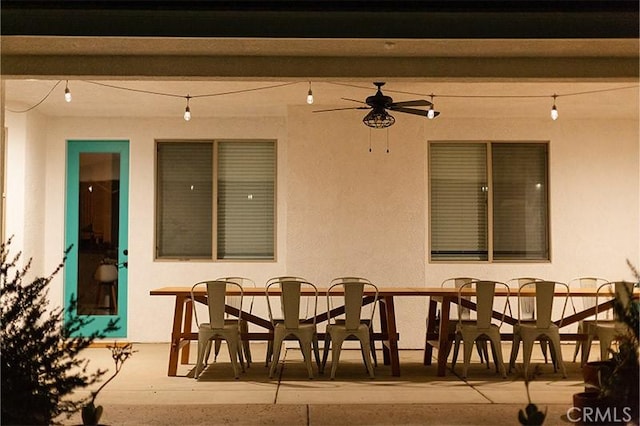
(417, 102)
(339, 109)
(353, 100)
(410, 111)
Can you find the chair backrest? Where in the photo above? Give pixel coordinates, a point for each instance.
(351, 291)
(617, 289)
(544, 300)
(485, 293)
(291, 292)
(106, 273)
(586, 282)
(236, 301)
(457, 282)
(216, 300)
(526, 305)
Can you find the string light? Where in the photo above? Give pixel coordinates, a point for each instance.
(187, 110)
(431, 112)
(67, 92)
(554, 110)
(310, 95)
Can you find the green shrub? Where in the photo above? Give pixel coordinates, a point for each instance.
(41, 369)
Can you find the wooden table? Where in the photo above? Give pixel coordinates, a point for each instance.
(437, 333)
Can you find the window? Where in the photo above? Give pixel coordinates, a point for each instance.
(227, 183)
(489, 201)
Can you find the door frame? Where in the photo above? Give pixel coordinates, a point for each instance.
(74, 147)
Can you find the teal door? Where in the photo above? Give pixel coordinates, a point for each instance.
(96, 227)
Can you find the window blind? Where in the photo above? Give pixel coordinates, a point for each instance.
(184, 199)
(246, 199)
(520, 189)
(458, 201)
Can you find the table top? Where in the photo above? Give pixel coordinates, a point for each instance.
(385, 291)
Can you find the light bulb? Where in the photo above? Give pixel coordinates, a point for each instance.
(309, 95)
(431, 113)
(187, 110)
(67, 93)
(554, 110)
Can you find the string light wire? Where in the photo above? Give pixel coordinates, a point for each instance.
(38, 103)
(274, 86)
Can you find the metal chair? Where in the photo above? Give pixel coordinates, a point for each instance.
(290, 324)
(350, 292)
(587, 302)
(541, 327)
(236, 302)
(608, 330)
(464, 314)
(469, 331)
(269, 353)
(218, 326)
(527, 308)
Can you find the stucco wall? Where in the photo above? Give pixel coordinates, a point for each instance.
(341, 209)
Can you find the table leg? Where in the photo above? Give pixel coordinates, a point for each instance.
(384, 330)
(431, 328)
(443, 336)
(178, 315)
(392, 333)
(188, 317)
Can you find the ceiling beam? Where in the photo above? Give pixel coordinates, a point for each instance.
(323, 19)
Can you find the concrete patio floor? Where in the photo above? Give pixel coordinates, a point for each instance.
(143, 394)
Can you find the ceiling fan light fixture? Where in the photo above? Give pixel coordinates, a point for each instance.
(378, 119)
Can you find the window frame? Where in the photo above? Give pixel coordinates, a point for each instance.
(215, 195)
(490, 203)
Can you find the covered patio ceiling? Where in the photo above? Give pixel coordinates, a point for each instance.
(514, 53)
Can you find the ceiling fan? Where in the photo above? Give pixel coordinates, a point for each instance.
(378, 117)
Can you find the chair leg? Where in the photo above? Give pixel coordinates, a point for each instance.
(365, 346)
(586, 348)
(325, 351)
(456, 350)
(316, 350)
(468, 349)
(543, 347)
(527, 349)
(515, 347)
(554, 340)
(233, 347)
(373, 347)
(305, 347)
(496, 349)
(278, 337)
(246, 346)
(579, 343)
(202, 343)
(605, 344)
(335, 355)
(483, 351)
(269, 353)
(240, 351)
(216, 343)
